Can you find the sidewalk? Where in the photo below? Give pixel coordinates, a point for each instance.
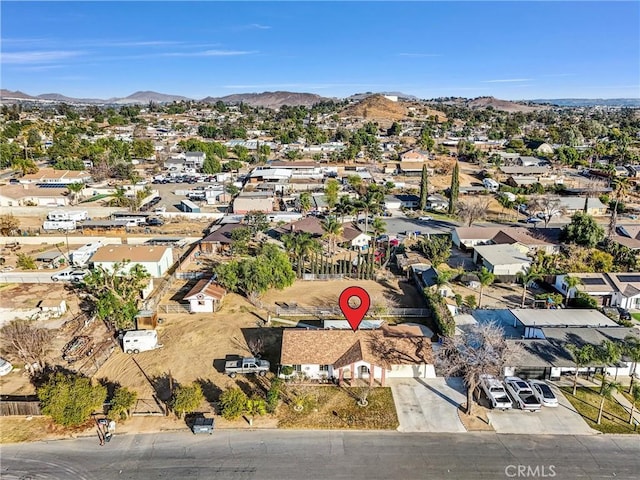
(621, 399)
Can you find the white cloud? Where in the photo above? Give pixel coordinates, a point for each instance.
(35, 57)
(508, 80)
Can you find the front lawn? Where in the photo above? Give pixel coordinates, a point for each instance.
(332, 407)
(615, 418)
(636, 316)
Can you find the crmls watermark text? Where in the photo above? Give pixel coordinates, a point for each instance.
(530, 471)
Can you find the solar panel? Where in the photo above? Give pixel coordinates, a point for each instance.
(593, 281)
(629, 278)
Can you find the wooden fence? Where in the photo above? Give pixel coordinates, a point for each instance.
(16, 405)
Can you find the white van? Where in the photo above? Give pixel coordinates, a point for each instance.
(136, 341)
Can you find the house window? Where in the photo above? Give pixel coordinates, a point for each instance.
(201, 303)
(324, 368)
(364, 369)
(297, 368)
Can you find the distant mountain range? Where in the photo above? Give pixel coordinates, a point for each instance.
(590, 102)
(278, 99)
(270, 99)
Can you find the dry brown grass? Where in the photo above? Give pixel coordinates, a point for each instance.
(478, 422)
(332, 407)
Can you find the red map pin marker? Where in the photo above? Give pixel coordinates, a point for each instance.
(354, 315)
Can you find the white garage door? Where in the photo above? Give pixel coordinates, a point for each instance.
(411, 371)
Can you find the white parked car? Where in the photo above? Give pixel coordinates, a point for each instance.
(495, 391)
(425, 218)
(69, 275)
(5, 367)
(543, 393)
(522, 394)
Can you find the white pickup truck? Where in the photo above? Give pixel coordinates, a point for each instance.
(69, 275)
(522, 394)
(246, 365)
(495, 391)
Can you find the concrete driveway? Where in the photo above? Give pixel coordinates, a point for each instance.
(561, 420)
(428, 405)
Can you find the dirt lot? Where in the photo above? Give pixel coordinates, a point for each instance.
(195, 345)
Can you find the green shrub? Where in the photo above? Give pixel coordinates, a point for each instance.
(234, 403)
(441, 314)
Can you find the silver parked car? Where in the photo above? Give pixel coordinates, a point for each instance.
(543, 393)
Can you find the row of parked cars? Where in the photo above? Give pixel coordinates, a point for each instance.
(516, 392)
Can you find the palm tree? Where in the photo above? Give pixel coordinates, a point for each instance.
(345, 207)
(332, 231)
(300, 245)
(620, 190)
(609, 353)
(486, 278)
(571, 283)
(74, 191)
(635, 398)
(607, 391)
(632, 350)
(379, 226)
(119, 198)
(582, 356)
(305, 202)
(526, 277)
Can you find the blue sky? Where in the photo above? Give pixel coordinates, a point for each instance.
(511, 50)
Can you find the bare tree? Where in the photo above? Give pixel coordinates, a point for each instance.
(26, 341)
(546, 208)
(256, 346)
(473, 210)
(482, 349)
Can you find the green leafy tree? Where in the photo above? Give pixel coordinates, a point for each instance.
(233, 403)
(122, 402)
(331, 189)
(486, 278)
(115, 292)
(256, 221)
(583, 230)
(255, 407)
(424, 188)
(607, 392)
(437, 248)
(211, 165)
(26, 262)
(142, 148)
(240, 237)
(273, 395)
(582, 357)
(454, 189)
(69, 399)
(186, 399)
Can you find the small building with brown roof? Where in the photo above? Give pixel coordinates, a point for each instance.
(205, 296)
(372, 355)
(156, 260)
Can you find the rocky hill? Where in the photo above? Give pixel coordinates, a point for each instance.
(270, 99)
(379, 108)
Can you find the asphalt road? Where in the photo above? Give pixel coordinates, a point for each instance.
(285, 455)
